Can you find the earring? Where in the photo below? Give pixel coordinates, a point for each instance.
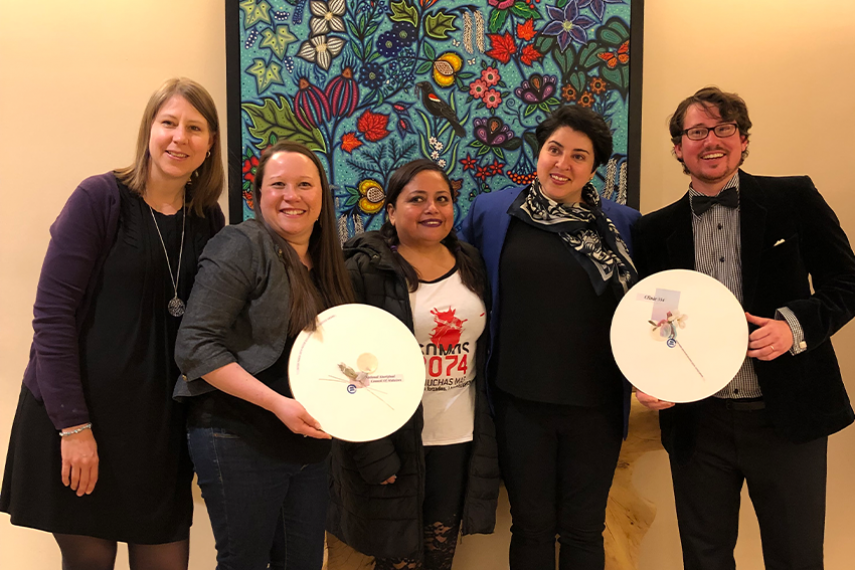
(208, 155)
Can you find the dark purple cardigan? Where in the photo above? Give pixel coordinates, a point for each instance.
(81, 239)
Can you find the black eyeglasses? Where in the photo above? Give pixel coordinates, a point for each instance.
(700, 133)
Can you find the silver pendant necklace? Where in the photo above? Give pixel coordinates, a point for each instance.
(175, 305)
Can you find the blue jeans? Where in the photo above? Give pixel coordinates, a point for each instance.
(253, 497)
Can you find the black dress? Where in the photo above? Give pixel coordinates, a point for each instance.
(127, 341)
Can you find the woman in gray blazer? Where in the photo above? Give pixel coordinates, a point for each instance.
(259, 456)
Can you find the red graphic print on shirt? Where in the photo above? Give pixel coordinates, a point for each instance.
(448, 327)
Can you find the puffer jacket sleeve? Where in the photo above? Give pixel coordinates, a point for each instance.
(376, 460)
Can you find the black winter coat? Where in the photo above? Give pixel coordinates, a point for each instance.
(386, 520)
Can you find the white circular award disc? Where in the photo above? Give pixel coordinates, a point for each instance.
(686, 355)
(358, 404)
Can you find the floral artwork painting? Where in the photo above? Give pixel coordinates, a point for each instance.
(372, 84)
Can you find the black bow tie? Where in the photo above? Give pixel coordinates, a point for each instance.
(728, 198)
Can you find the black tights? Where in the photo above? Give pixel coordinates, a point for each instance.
(440, 544)
(446, 470)
(89, 553)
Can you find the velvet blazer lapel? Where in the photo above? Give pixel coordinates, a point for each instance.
(681, 242)
(752, 221)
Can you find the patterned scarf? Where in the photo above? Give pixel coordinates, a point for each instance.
(586, 230)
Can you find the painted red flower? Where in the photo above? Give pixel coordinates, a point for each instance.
(349, 142)
(526, 31)
(492, 99)
(373, 125)
(491, 76)
(249, 167)
(496, 167)
(477, 88)
(468, 162)
(530, 55)
(248, 197)
(483, 172)
(502, 47)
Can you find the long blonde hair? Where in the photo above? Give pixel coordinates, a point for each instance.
(207, 182)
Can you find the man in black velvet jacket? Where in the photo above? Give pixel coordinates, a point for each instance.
(766, 239)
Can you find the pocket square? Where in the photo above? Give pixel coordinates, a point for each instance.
(779, 242)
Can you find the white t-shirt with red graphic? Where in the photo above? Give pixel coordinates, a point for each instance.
(448, 318)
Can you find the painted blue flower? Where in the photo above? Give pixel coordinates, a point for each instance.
(568, 24)
(389, 44)
(372, 75)
(598, 7)
(406, 32)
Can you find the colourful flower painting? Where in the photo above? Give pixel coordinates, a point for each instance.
(372, 84)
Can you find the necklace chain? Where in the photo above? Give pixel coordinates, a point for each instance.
(176, 305)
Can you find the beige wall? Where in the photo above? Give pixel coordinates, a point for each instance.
(76, 75)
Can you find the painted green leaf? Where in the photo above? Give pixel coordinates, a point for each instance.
(272, 122)
(484, 150)
(524, 11)
(497, 20)
(529, 110)
(608, 36)
(512, 144)
(499, 152)
(424, 67)
(565, 60)
(466, 75)
(611, 75)
(351, 201)
(588, 56)
(265, 75)
(403, 12)
(429, 51)
(531, 141)
(476, 144)
(544, 43)
(614, 32)
(579, 81)
(552, 101)
(438, 25)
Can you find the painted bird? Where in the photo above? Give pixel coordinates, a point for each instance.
(439, 108)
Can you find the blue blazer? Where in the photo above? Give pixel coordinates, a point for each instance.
(486, 226)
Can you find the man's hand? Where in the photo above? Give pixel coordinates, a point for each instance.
(771, 340)
(652, 403)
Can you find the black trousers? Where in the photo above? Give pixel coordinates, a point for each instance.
(557, 463)
(786, 483)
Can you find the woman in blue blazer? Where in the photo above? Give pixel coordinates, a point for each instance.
(558, 261)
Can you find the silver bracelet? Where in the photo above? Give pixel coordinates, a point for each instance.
(74, 431)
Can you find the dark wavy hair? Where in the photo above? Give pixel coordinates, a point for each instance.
(334, 286)
(730, 106)
(471, 271)
(583, 120)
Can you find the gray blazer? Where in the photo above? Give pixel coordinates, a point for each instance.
(238, 310)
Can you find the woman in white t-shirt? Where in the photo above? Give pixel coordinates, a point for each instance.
(403, 499)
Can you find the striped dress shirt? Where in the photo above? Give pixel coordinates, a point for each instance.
(718, 253)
